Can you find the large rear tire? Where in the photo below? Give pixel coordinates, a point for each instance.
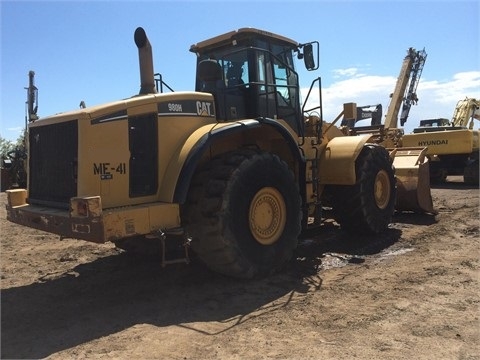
(244, 214)
(367, 207)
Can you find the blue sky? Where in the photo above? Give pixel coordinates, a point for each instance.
(85, 50)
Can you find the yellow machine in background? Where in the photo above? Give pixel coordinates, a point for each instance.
(232, 167)
(453, 146)
(410, 162)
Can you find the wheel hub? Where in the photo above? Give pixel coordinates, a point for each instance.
(382, 189)
(267, 215)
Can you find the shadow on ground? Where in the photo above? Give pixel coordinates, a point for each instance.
(110, 294)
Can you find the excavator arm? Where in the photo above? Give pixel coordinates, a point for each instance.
(465, 112)
(406, 87)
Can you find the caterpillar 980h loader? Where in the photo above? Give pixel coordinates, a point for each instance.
(233, 167)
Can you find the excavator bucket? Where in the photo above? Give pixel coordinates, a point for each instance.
(413, 180)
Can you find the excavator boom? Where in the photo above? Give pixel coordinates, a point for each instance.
(411, 164)
(406, 87)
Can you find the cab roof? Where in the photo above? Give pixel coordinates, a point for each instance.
(228, 39)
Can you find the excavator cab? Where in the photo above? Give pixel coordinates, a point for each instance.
(251, 74)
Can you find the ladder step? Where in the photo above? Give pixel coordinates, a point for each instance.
(185, 259)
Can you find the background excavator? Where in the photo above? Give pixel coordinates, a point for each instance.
(410, 162)
(448, 147)
(453, 146)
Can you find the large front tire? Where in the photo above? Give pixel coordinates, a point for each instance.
(367, 207)
(244, 214)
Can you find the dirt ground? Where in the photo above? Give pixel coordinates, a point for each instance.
(413, 293)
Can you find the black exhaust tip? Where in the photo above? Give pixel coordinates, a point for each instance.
(140, 37)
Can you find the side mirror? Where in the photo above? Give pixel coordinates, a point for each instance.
(309, 58)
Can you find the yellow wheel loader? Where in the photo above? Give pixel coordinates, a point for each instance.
(232, 167)
(453, 146)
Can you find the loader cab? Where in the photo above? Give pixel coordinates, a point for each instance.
(251, 74)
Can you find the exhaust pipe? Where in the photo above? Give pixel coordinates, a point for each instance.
(145, 57)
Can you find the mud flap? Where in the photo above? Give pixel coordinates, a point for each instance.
(413, 180)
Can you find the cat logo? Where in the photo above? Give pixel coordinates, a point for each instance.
(204, 108)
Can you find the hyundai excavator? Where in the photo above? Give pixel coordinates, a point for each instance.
(453, 146)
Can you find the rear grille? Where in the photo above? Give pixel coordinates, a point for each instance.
(53, 164)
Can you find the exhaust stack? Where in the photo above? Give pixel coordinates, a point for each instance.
(145, 57)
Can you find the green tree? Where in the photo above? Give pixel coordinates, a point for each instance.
(5, 147)
(12, 157)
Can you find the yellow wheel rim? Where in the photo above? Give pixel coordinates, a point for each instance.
(382, 189)
(267, 215)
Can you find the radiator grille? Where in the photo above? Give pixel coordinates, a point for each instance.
(53, 163)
